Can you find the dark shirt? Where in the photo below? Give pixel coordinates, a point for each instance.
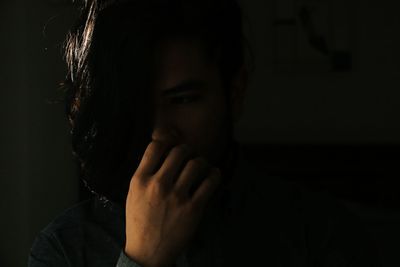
(256, 220)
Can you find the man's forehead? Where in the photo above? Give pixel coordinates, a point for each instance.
(182, 61)
(180, 51)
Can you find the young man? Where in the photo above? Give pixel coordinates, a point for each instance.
(153, 90)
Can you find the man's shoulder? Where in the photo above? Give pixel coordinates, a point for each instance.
(88, 232)
(83, 216)
(71, 217)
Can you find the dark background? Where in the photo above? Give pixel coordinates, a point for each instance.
(322, 109)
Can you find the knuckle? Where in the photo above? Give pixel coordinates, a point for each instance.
(161, 177)
(158, 187)
(136, 180)
(178, 197)
(197, 162)
(153, 147)
(180, 150)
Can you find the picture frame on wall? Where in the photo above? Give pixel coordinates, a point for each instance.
(313, 36)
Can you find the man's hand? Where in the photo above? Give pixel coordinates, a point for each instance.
(165, 203)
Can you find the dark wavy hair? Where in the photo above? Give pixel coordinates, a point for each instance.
(110, 58)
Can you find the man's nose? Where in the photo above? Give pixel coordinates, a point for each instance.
(166, 134)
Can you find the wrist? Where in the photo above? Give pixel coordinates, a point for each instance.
(143, 259)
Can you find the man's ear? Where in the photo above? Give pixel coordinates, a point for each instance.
(238, 91)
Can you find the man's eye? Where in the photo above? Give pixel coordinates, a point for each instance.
(183, 99)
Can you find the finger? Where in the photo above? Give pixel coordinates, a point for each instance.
(173, 164)
(152, 158)
(207, 188)
(191, 176)
(164, 138)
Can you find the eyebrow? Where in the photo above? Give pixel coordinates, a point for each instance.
(184, 87)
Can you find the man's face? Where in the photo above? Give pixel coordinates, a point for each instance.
(190, 98)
